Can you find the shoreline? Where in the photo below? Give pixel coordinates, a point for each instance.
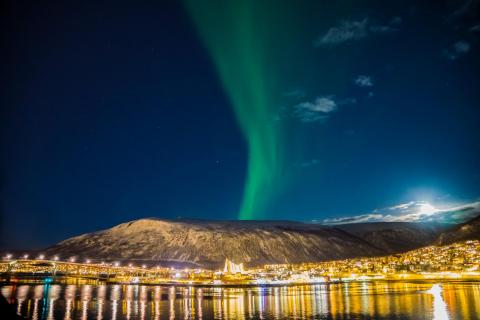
(59, 280)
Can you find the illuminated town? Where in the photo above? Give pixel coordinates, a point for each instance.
(455, 261)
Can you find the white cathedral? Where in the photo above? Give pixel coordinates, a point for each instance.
(232, 268)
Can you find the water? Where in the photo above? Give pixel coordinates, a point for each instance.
(359, 300)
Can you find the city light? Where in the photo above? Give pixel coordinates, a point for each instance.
(455, 261)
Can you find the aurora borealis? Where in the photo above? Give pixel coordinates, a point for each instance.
(264, 110)
(242, 56)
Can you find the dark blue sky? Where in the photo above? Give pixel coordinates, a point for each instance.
(115, 112)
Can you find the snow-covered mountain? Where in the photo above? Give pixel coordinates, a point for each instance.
(208, 243)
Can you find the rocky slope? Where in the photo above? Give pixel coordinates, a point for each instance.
(395, 237)
(469, 230)
(208, 243)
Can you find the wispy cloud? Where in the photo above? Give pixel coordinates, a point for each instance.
(315, 110)
(457, 49)
(396, 21)
(354, 30)
(319, 109)
(295, 93)
(461, 47)
(475, 28)
(414, 212)
(364, 81)
(402, 206)
(345, 31)
(466, 7)
(309, 163)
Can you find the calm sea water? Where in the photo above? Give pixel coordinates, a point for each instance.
(360, 300)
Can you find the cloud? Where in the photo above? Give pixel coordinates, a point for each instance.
(354, 30)
(402, 206)
(321, 104)
(468, 7)
(308, 163)
(461, 47)
(316, 110)
(364, 81)
(345, 31)
(396, 20)
(475, 28)
(295, 93)
(414, 212)
(381, 29)
(319, 109)
(355, 219)
(457, 49)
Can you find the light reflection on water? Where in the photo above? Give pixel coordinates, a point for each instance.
(366, 300)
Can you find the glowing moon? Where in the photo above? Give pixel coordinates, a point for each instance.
(427, 208)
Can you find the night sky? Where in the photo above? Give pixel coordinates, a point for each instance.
(304, 111)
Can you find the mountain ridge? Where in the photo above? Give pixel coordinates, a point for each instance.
(469, 230)
(208, 243)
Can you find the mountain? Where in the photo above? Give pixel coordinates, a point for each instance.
(469, 230)
(395, 237)
(208, 243)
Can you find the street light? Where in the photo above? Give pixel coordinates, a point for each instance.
(87, 261)
(41, 257)
(72, 259)
(25, 256)
(55, 258)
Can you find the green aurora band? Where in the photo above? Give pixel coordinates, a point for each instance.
(237, 35)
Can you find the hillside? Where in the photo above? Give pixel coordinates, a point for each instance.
(208, 243)
(394, 237)
(469, 230)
